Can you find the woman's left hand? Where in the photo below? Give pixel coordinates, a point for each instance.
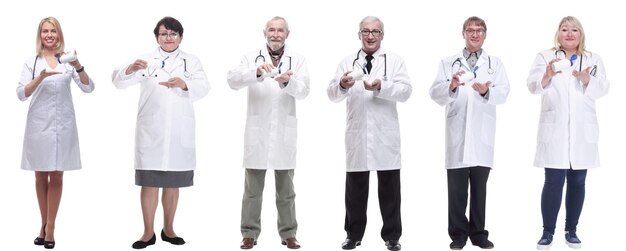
(583, 76)
(175, 82)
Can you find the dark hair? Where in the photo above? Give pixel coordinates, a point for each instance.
(170, 23)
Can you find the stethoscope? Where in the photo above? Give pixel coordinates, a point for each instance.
(186, 74)
(458, 60)
(35, 65)
(263, 57)
(593, 71)
(363, 66)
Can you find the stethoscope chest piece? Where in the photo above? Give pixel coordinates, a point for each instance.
(490, 71)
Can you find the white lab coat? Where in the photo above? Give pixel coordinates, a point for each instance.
(165, 132)
(271, 125)
(51, 136)
(372, 128)
(568, 127)
(470, 117)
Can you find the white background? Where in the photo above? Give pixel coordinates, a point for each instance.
(100, 208)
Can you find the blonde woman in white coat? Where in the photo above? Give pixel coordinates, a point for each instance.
(51, 137)
(470, 131)
(372, 131)
(567, 142)
(165, 154)
(271, 129)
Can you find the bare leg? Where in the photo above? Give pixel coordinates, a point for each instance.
(41, 187)
(55, 189)
(170, 202)
(149, 202)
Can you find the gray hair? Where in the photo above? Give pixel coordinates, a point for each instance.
(278, 18)
(372, 19)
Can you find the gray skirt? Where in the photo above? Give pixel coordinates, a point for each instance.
(164, 179)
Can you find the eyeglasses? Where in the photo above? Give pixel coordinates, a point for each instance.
(366, 33)
(173, 35)
(478, 32)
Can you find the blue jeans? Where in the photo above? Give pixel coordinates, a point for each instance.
(553, 192)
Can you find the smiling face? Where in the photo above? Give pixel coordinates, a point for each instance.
(569, 37)
(49, 36)
(474, 35)
(371, 36)
(276, 32)
(168, 39)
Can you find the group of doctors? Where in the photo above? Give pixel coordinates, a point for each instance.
(469, 84)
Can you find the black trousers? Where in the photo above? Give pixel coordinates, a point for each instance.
(357, 189)
(459, 227)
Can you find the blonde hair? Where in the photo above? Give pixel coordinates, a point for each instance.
(574, 22)
(60, 46)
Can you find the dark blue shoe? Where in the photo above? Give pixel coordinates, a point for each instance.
(545, 242)
(572, 240)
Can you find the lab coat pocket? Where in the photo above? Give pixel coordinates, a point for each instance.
(144, 135)
(591, 128)
(352, 140)
(390, 136)
(253, 131)
(454, 130)
(546, 126)
(187, 135)
(488, 130)
(291, 131)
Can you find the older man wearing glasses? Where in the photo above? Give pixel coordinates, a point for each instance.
(372, 131)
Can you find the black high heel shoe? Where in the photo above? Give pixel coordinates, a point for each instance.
(39, 241)
(143, 244)
(48, 244)
(175, 240)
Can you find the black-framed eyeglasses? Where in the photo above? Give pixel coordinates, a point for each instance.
(478, 32)
(173, 35)
(375, 33)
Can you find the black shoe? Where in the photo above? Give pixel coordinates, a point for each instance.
(457, 245)
(174, 240)
(350, 244)
(39, 241)
(143, 244)
(393, 245)
(48, 244)
(484, 244)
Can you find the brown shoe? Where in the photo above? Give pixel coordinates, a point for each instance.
(291, 243)
(247, 243)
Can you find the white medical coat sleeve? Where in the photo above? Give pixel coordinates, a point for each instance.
(25, 78)
(86, 88)
(536, 75)
(335, 92)
(198, 86)
(121, 80)
(440, 89)
(598, 85)
(298, 85)
(500, 88)
(398, 87)
(242, 76)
